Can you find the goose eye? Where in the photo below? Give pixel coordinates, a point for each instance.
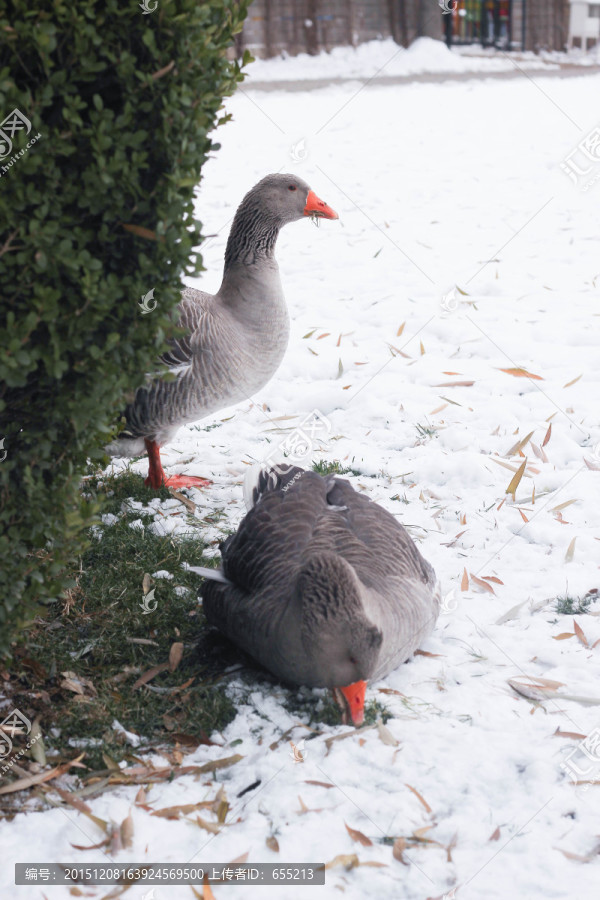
(292, 187)
(352, 660)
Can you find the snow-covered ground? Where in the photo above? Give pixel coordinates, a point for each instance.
(437, 186)
(385, 58)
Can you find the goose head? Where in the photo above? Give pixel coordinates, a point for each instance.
(286, 198)
(342, 645)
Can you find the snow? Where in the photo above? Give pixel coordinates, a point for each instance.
(386, 58)
(437, 186)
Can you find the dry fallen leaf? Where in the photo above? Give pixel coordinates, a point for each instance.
(149, 675)
(516, 448)
(482, 584)
(127, 831)
(548, 435)
(496, 835)
(580, 634)
(568, 734)
(522, 373)
(211, 827)
(570, 551)
(347, 860)
(319, 783)
(272, 843)
(175, 655)
(464, 584)
(516, 479)
(398, 850)
(419, 797)
(359, 836)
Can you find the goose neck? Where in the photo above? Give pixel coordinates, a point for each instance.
(252, 237)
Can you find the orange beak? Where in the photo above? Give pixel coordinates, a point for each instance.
(318, 208)
(355, 697)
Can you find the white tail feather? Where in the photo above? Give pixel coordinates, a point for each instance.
(212, 574)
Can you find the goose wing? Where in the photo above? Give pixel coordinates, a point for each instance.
(195, 315)
(372, 540)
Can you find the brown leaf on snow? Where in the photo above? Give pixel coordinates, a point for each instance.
(398, 850)
(539, 452)
(175, 655)
(127, 831)
(577, 858)
(347, 734)
(538, 689)
(304, 808)
(103, 843)
(359, 836)
(22, 783)
(347, 860)
(464, 584)
(482, 584)
(496, 835)
(568, 734)
(516, 448)
(455, 384)
(207, 893)
(211, 827)
(516, 479)
(563, 636)
(427, 653)
(272, 843)
(173, 812)
(570, 551)
(319, 783)
(522, 373)
(580, 634)
(419, 797)
(548, 435)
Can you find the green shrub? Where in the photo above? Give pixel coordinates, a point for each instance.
(97, 212)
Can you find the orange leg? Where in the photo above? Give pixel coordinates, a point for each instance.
(156, 474)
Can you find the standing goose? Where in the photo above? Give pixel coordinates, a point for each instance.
(235, 338)
(321, 585)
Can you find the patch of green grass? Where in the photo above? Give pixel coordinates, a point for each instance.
(323, 467)
(207, 427)
(327, 712)
(426, 431)
(100, 632)
(573, 606)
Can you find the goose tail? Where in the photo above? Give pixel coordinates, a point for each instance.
(211, 574)
(263, 478)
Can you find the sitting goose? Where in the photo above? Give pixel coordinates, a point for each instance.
(236, 338)
(321, 585)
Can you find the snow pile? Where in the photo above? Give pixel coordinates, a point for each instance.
(383, 57)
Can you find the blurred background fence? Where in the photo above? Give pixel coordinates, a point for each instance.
(309, 26)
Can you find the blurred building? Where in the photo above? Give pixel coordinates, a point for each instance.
(308, 26)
